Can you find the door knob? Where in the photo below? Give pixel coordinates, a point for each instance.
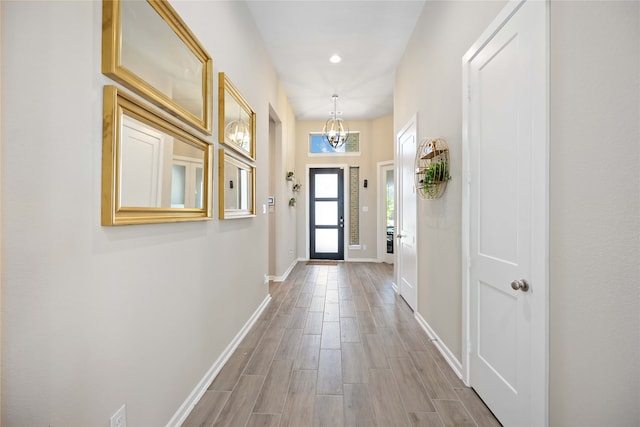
(520, 285)
(399, 236)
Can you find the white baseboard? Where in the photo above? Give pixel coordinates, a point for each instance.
(185, 409)
(441, 346)
(348, 260)
(286, 273)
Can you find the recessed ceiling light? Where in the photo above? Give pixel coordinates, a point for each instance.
(335, 58)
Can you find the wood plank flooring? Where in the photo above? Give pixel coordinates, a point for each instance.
(336, 347)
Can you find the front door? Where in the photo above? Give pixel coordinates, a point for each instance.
(507, 270)
(326, 213)
(406, 225)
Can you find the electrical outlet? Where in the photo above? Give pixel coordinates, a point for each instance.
(119, 419)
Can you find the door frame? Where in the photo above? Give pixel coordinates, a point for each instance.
(381, 216)
(345, 192)
(412, 122)
(2, 228)
(280, 252)
(540, 214)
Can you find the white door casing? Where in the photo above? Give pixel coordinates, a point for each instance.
(406, 224)
(505, 215)
(383, 168)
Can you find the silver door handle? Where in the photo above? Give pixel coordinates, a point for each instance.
(400, 236)
(521, 285)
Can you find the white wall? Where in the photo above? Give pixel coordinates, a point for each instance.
(429, 82)
(1, 230)
(376, 145)
(286, 232)
(595, 214)
(100, 316)
(594, 195)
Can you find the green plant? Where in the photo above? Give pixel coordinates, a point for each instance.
(292, 201)
(290, 175)
(435, 173)
(297, 187)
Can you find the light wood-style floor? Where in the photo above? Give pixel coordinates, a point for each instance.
(337, 347)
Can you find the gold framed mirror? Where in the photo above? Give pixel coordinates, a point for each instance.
(236, 187)
(150, 50)
(152, 170)
(236, 119)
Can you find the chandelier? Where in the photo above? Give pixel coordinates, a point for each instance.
(335, 131)
(237, 131)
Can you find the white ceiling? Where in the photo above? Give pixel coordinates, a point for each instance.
(370, 36)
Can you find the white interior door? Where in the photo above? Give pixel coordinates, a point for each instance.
(507, 145)
(140, 159)
(407, 270)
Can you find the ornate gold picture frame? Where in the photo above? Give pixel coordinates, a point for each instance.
(149, 49)
(236, 187)
(153, 170)
(236, 119)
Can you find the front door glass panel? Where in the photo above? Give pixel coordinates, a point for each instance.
(326, 240)
(326, 185)
(326, 213)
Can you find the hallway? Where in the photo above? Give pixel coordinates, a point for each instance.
(337, 347)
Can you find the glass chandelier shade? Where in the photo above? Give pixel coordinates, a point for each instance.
(238, 133)
(335, 131)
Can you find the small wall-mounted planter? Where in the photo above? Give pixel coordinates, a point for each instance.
(292, 201)
(296, 187)
(432, 168)
(290, 176)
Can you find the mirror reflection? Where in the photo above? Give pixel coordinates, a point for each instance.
(158, 170)
(237, 129)
(236, 119)
(155, 53)
(237, 186)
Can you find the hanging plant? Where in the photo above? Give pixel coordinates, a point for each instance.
(432, 168)
(436, 173)
(297, 187)
(290, 176)
(292, 201)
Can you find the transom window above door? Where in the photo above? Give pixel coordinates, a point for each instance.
(319, 147)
